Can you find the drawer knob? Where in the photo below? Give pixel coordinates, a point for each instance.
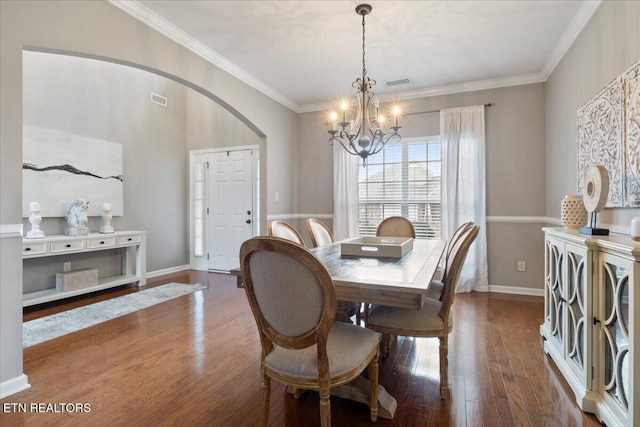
(27, 249)
(102, 243)
(68, 245)
(130, 239)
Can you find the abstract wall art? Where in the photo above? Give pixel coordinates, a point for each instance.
(59, 167)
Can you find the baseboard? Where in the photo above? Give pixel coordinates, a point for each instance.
(169, 270)
(516, 290)
(14, 385)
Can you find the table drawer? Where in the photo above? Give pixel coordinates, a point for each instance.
(67, 246)
(103, 242)
(128, 240)
(34, 248)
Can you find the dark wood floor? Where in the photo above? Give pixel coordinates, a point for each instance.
(194, 361)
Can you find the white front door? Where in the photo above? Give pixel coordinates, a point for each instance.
(230, 205)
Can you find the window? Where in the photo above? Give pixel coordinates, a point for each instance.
(403, 180)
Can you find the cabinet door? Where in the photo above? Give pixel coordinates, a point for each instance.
(554, 296)
(577, 325)
(614, 333)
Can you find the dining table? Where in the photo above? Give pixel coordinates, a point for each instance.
(397, 282)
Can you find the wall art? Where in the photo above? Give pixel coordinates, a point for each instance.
(632, 135)
(59, 167)
(600, 139)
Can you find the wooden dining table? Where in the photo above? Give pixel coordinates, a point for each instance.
(397, 282)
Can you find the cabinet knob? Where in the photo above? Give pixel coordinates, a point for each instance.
(27, 249)
(102, 243)
(68, 245)
(248, 221)
(130, 239)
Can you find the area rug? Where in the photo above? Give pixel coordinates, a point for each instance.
(50, 327)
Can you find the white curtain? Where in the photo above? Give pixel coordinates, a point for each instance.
(345, 193)
(462, 132)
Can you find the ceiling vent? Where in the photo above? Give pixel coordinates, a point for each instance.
(397, 82)
(158, 99)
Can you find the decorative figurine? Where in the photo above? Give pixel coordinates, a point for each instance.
(106, 227)
(77, 218)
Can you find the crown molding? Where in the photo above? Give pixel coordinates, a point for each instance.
(141, 13)
(570, 35)
(477, 85)
(159, 24)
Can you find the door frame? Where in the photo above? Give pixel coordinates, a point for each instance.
(201, 262)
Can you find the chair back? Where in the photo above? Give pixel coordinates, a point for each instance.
(319, 232)
(459, 233)
(285, 231)
(290, 292)
(396, 226)
(459, 250)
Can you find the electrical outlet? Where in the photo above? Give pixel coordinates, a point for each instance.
(66, 266)
(522, 266)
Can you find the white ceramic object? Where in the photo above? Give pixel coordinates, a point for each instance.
(635, 228)
(35, 219)
(573, 212)
(596, 188)
(106, 227)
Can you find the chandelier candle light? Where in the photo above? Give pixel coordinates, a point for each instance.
(365, 135)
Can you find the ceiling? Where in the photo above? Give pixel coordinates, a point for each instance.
(307, 53)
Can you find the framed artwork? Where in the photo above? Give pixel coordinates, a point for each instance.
(59, 167)
(609, 135)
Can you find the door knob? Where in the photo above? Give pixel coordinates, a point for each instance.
(248, 221)
(248, 212)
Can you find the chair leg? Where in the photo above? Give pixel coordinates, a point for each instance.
(266, 391)
(359, 314)
(325, 407)
(444, 361)
(373, 379)
(385, 344)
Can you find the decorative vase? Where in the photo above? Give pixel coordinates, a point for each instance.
(635, 228)
(573, 213)
(35, 219)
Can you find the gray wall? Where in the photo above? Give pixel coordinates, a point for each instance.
(515, 172)
(608, 45)
(111, 102)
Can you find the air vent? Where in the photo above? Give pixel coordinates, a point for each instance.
(158, 99)
(397, 82)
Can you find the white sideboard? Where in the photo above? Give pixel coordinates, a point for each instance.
(132, 242)
(592, 319)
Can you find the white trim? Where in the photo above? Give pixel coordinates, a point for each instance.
(515, 290)
(169, 30)
(255, 147)
(169, 270)
(10, 230)
(576, 25)
(14, 385)
(532, 219)
(282, 217)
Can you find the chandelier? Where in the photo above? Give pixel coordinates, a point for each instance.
(365, 133)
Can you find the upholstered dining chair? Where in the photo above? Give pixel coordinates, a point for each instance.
(293, 301)
(322, 236)
(434, 319)
(319, 233)
(285, 231)
(396, 226)
(435, 287)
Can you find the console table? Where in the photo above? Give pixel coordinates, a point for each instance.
(592, 320)
(132, 242)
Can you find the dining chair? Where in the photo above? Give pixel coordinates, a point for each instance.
(434, 319)
(293, 301)
(396, 226)
(435, 287)
(319, 233)
(322, 236)
(285, 231)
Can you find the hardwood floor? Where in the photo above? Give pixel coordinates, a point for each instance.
(194, 361)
